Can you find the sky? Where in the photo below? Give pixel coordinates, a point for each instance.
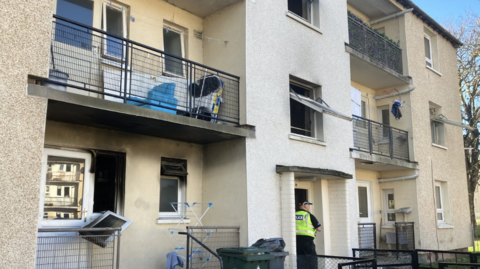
(448, 10)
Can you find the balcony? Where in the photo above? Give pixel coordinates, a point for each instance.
(376, 144)
(375, 61)
(106, 81)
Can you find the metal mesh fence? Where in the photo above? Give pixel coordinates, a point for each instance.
(387, 258)
(405, 235)
(92, 62)
(444, 265)
(67, 248)
(327, 262)
(368, 263)
(432, 258)
(367, 235)
(214, 237)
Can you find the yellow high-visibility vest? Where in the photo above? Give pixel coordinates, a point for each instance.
(303, 224)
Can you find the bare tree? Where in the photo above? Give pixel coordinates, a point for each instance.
(468, 61)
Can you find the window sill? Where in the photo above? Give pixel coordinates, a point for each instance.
(172, 220)
(434, 71)
(439, 146)
(306, 139)
(309, 25)
(115, 63)
(444, 225)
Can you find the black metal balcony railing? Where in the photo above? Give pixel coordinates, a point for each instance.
(107, 66)
(376, 138)
(374, 46)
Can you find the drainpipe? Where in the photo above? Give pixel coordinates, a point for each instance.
(381, 180)
(394, 93)
(391, 16)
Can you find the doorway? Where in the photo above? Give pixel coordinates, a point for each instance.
(364, 202)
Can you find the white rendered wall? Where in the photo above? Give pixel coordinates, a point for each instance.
(276, 48)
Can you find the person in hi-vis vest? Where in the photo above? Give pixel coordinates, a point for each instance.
(306, 227)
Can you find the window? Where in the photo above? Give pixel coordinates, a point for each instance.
(172, 187)
(114, 22)
(384, 118)
(437, 126)
(72, 194)
(174, 44)
(80, 11)
(68, 205)
(364, 201)
(302, 118)
(302, 8)
(431, 49)
(305, 10)
(428, 52)
(363, 108)
(439, 203)
(389, 198)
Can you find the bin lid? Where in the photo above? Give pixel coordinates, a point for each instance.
(278, 254)
(242, 250)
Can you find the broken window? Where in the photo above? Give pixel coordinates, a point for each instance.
(301, 116)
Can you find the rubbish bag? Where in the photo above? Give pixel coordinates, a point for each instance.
(272, 244)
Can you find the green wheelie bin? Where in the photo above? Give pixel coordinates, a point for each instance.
(245, 258)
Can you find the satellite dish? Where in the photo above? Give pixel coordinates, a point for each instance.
(404, 210)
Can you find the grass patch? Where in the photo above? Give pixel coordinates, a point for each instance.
(477, 247)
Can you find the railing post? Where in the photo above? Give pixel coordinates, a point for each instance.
(415, 264)
(125, 83)
(187, 252)
(390, 137)
(385, 44)
(118, 249)
(370, 137)
(374, 235)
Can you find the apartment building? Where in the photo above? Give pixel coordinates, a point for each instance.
(157, 109)
(410, 166)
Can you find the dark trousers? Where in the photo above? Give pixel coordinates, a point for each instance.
(306, 253)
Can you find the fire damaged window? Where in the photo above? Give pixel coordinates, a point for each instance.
(301, 117)
(172, 187)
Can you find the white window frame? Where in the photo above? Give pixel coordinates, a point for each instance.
(437, 128)
(439, 208)
(385, 137)
(88, 179)
(183, 49)
(429, 58)
(368, 186)
(182, 186)
(307, 9)
(122, 9)
(387, 210)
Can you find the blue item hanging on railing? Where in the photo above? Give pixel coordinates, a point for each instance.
(396, 109)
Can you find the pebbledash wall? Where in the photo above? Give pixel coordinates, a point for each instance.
(437, 164)
(25, 48)
(277, 48)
